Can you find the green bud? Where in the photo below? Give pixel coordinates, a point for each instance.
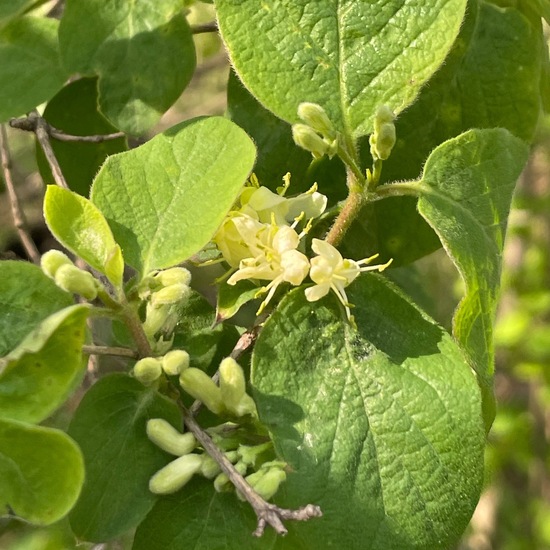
(267, 482)
(210, 468)
(75, 280)
(384, 115)
(175, 361)
(52, 260)
(165, 436)
(383, 138)
(147, 370)
(249, 454)
(170, 294)
(175, 475)
(245, 406)
(155, 317)
(222, 483)
(232, 383)
(174, 275)
(314, 115)
(306, 138)
(382, 142)
(200, 386)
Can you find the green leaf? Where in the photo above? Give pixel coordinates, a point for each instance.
(165, 199)
(381, 426)
(10, 9)
(30, 69)
(490, 79)
(27, 297)
(195, 332)
(41, 471)
(143, 53)
(43, 370)
(349, 57)
(277, 152)
(109, 425)
(465, 195)
(232, 297)
(199, 518)
(81, 227)
(74, 110)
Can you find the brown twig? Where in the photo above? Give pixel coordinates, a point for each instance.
(110, 350)
(28, 124)
(205, 27)
(16, 210)
(267, 514)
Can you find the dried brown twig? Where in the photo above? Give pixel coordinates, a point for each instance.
(16, 210)
(267, 513)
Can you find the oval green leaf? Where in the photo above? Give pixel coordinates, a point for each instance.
(465, 195)
(381, 426)
(348, 56)
(41, 472)
(165, 199)
(80, 226)
(43, 370)
(109, 425)
(27, 297)
(30, 68)
(200, 518)
(143, 53)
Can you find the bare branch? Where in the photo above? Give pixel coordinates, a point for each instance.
(206, 27)
(16, 210)
(41, 131)
(28, 124)
(110, 350)
(267, 514)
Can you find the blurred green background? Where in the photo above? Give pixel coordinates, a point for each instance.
(514, 511)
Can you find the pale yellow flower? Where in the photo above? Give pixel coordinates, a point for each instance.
(273, 258)
(330, 271)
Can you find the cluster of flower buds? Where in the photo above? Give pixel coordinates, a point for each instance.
(162, 290)
(317, 135)
(265, 476)
(383, 138)
(149, 369)
(229, 398)
(59, 267)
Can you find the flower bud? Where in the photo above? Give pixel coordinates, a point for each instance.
(175, 361)
(155, 317)
(222, 483)
(200, 386)
(314, 115)
(165, 436)
(210, 468)
(383, 138)
(382, 142)
(267, 482)
(75, 280)
(174, 275)
(147, 370)
(175, 475)
(232, 383)
(170, 294)
(52, 260)
(306, 138)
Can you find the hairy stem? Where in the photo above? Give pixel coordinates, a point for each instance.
(16, 210)
(349, 212)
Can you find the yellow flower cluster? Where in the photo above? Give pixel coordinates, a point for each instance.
(258, 239)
